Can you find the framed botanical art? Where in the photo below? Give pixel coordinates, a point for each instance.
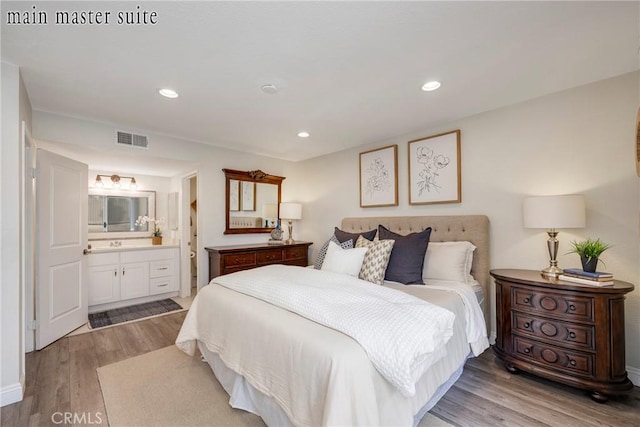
(434, 169)
(248, 193)
(379, 177)
(234, 195)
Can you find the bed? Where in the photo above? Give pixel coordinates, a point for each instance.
(291, 370)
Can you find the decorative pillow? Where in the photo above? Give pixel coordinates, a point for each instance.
(344, 235)
(375, 260)
(407, 256)
(344, 261)
(323, 250)
(449, 261)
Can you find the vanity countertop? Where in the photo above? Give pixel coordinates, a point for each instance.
(125, 248)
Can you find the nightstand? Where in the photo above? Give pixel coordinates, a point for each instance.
(562, 331)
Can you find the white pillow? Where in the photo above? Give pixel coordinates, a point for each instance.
(343, 261)
(449, 261)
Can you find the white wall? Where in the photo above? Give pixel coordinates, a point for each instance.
(15, 109)
(577, 141)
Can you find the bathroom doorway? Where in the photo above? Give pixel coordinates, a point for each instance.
(193, 232)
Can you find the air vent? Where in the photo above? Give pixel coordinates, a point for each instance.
(131, 140)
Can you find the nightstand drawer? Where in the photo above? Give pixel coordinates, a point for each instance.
(568, 307)
(557, 358)
(268, 257)
(295, 253)
(239, 260)
(559, 332)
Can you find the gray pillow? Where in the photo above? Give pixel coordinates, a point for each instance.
(323, 250)
(407, 256)
(343, 236)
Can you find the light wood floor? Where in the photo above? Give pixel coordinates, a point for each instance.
(62, 378)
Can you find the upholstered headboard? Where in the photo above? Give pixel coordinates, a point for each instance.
(472, 228)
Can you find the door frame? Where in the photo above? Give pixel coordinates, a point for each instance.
(185, 235)
(28, 236)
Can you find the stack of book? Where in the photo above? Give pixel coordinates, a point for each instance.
(597, 278)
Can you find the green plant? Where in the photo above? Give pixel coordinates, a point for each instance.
(157, 231)
(589, 249)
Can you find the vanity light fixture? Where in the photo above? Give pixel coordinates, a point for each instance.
(115, 181)
(168, 93)
(431, 86)
(303, 134)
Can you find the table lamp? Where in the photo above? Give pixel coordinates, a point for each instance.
(270, 214)
(289, 212)
(552, 213)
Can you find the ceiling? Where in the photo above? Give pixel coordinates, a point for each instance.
(349, 73)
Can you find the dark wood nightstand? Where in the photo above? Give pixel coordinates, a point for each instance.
(228, 259)
(563, 331)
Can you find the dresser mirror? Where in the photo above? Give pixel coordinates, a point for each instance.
(252, 201)
(112, 214)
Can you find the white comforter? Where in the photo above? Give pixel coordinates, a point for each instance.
(401, 334)
(317, 375)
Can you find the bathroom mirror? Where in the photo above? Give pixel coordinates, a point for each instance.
(112, 213)
(252, 201)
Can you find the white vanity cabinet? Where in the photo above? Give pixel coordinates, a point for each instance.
(126, 277)
(104, 278)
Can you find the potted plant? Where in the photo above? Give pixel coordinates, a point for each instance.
(156, 235)
(589, 251)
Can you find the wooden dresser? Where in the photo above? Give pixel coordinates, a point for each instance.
(562, 331)
(228, 259)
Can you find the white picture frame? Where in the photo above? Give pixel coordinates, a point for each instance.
(234, 195)
(379, 177)
(248, 196)
(434, 169)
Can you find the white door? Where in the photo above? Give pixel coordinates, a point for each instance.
(61, 230)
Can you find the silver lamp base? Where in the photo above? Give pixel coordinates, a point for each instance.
(290, 240)
(551, 272)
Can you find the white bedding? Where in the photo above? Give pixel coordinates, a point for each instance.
(317, 375)
(402, 335)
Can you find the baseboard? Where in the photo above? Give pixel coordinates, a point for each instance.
(492, 338)
(11, 394)
(634, 375)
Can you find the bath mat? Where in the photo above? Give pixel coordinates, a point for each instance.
(133, 312)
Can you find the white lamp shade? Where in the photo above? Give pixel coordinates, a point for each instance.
(270, 210)
(290, 211)
(566, 211)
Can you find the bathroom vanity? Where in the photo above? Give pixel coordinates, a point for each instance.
(127, 275)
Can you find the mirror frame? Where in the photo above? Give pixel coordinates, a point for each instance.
(256, 176)
(151, 195)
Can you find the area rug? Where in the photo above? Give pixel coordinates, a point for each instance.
(133, 312)
(168, 388)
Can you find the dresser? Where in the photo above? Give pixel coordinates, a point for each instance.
(562, 331)
(228, 259)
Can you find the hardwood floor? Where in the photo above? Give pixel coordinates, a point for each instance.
(62, 378)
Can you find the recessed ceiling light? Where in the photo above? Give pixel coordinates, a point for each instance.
(429, 86)
(168, 93)
(303, 134)
(269, 88)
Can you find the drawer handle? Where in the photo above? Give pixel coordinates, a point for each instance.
(572, 334)
(163, 268)
(526, 300)
(162, 285)
(527, 350)
(572, 307)
(115, 272)
(572, 362)
(527, 325)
